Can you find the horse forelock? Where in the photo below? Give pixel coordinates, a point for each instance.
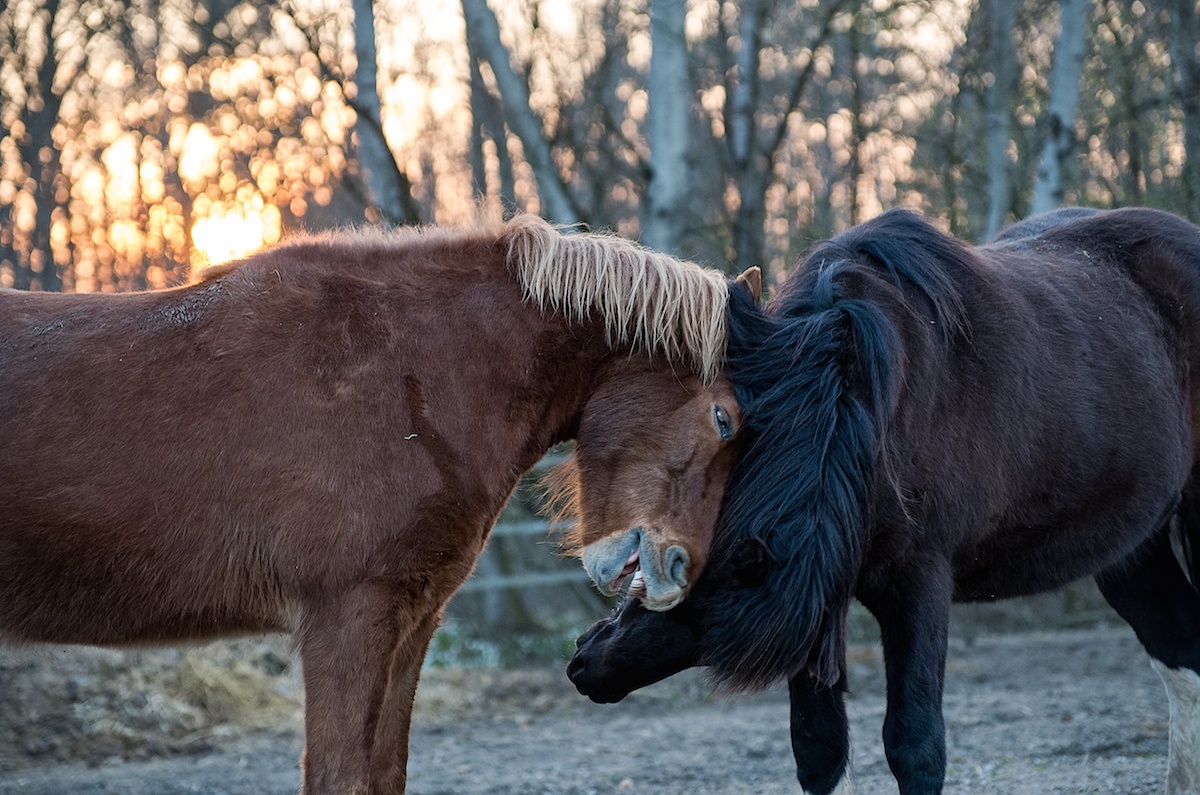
(648, 300)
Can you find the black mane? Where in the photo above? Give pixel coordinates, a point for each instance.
(818, 376)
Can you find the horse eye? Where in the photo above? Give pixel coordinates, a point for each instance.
(723, 423)
(751, 561)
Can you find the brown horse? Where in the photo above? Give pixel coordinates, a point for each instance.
(319, 438)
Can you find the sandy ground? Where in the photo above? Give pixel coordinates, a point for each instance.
(1065, 712)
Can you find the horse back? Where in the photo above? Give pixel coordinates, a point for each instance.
(1160, 253)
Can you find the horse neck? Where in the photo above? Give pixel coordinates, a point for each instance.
(501, 378)
(570, 358)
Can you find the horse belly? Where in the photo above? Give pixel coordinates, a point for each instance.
(1083, 476)
(64, 584)
(1024, 560)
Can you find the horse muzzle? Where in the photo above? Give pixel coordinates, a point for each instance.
(656, 570)
(629, 650)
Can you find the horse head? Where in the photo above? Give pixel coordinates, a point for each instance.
(653, 452)
(634, 647)
(817, 375)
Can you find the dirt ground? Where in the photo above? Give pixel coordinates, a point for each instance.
(1075, 711)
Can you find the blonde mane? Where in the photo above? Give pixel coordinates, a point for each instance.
(648, 300)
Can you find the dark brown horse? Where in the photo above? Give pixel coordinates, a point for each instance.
(925, 422)
(318, 439)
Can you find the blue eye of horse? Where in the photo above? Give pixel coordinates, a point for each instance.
(723, 423)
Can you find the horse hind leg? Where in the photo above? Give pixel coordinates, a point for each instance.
(1183, 755)
(1152, 591)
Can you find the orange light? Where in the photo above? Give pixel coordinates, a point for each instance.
(230, 231)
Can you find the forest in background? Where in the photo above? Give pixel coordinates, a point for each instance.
(140, 139)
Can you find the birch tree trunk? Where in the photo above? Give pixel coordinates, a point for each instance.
(748, 166)
(998, 101)
(857, 134)
(1049, 190)
(387, 186)
(667, 122)
(484, 32)
(751, 160)
(1185, 55)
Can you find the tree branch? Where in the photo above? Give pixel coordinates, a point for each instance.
(481, 24)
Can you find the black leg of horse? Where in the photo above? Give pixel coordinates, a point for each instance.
(1150, 591)
(820, 734)
(913, 621)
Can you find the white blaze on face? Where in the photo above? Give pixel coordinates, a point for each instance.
(1183, 756)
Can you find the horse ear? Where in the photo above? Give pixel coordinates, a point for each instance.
(751, 282)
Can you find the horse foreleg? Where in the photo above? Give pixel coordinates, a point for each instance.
(913, 623)
(347, 646)
(389, 759)
(820, 736)
(1151, 592)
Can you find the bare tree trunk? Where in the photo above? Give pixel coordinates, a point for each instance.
(858, 75)
(479, 134)
(1135, 147)
(952, 170)
(747, 164)
(1185, 55)
(386, 183)
(484, 31)
(751, 161)
(43, 158)
(668, 125)
(488, 123)
(1049, 190)
(998, 114)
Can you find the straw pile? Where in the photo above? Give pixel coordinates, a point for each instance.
(85, 704)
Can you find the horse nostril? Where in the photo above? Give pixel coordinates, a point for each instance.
(576, 668)
(675, 563)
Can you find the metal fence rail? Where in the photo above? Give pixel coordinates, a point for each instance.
(531, 527)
